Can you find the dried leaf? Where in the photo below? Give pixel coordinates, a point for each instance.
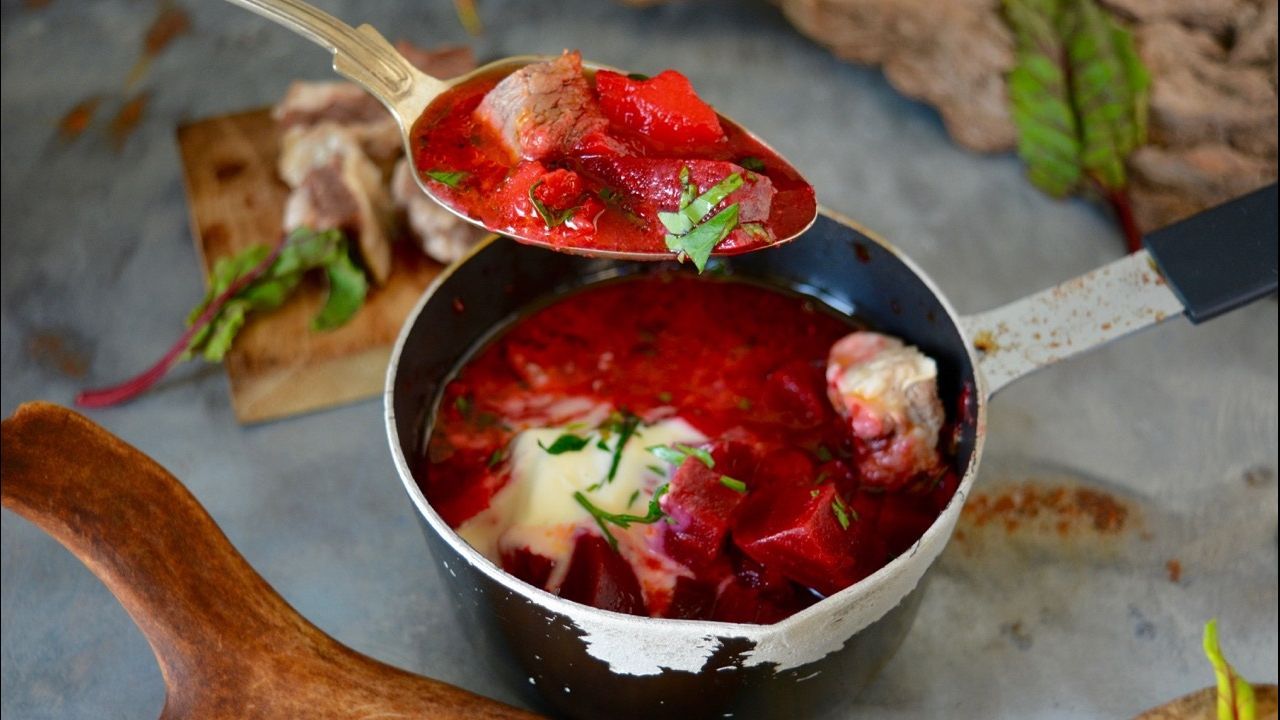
(77, 119)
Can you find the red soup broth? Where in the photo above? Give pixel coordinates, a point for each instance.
(740, 362)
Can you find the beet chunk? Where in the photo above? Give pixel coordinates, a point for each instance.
(528, 566)
(701, 506)
(691, 600)
(794, 530)
(797, 393)
(742, 604)
(656, 181)
(600, 577)
(664, 108)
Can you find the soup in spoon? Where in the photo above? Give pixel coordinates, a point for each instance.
(600, 161)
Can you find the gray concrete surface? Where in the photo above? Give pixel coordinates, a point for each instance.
(96, 252)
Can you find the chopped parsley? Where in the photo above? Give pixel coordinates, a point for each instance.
(625, 426)
(743, 403)
(753, 164)
(632, 500)
(498, 456)
(844, 514)
(452, 178)
(664, 397)
(463, 404)
(823, 454)
(552, 218)
(677, 454)
(733, 484)
(688, 234)
(567, 442)
(638, 77)
(622, 520)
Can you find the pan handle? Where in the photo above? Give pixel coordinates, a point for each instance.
(1203, 266)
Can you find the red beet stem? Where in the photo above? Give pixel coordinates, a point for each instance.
(127, 390)
(1119, 200)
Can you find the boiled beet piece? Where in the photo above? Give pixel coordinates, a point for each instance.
(663, 108)
(656, 182)
(600, 577)
(787, 466)
(797, 393)
(700, 505)
(690, 600)
(794, 530)
(528, 566)
(742, 604)
(903, 519)
(755, 575)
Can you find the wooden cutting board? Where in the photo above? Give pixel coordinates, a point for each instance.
(278, 366)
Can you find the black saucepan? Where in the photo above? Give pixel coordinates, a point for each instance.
(589, 663)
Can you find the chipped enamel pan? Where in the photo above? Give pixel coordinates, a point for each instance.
(588, 663)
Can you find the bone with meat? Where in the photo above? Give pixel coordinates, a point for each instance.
(888, 391)
(443, 236)
(337, 186)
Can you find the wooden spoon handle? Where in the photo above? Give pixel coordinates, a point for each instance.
(228, 645)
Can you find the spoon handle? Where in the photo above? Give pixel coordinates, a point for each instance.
(359, 54)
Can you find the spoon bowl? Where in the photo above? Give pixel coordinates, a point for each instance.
(364, 56)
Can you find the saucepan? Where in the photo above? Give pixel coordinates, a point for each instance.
(590, 663)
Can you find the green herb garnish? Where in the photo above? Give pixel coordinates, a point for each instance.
(823, 454)
(664, 397)
(625, 429)
(753, 164)
(632, 500)
(452, 178)
(743, 403)
(498, 456)
(639, 77)
(462, 404)
(1236, 700)
(688, 234)
(677, 454)
(733, 484)
(1078, 94)
(622, 520)
(552, 218)
(567, 442)
(844, 514)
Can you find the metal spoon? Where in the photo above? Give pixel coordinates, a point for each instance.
(364, 56)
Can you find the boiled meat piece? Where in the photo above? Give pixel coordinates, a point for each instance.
(444, 237)
(307, 104)
(336, 186)
(888, 391)
(310, 103)
(546, 109)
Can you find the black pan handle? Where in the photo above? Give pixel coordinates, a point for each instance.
(1201, 267)
(1211, 276)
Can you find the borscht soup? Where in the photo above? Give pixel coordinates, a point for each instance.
(690, 447)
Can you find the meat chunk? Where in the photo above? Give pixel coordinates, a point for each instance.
(306, 104)
(336, 185)
(546, 109)
(443, 236)
(888, 392)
